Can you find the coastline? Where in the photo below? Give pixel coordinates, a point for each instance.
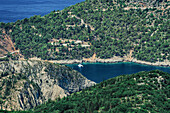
(115, 59)
(166, 63)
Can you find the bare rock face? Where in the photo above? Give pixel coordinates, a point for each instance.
(26, 84)
(6, 44)
(19, 94)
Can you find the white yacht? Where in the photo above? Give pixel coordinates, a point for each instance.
(80, 65)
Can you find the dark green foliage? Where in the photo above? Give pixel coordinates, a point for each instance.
(5, 111)
(119, 94)
(4, 59)
(116, 32)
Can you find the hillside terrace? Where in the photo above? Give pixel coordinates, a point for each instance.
(68, 43)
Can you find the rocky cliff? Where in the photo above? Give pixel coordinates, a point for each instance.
(143, 92)
(26, 84)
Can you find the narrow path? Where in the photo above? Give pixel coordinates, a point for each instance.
(17, 51)
(3, 57)
(82, 22)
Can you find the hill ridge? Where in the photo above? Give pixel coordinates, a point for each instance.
(108, 30)
(140, 92)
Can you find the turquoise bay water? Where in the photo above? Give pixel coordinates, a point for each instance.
(102, 71)
(12, 10)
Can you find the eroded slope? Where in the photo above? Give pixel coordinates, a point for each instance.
(26, 84)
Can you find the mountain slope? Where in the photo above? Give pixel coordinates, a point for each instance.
(26, 84)
(143, 92)
(105, 28)
(6, 44)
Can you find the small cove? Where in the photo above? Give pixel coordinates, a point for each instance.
(98, 72)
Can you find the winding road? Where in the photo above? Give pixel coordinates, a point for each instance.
(82, 22)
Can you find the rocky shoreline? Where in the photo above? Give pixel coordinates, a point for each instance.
(114, 59)
(166, 63)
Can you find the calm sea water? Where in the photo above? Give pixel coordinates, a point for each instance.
(12, 10)
(99, 72)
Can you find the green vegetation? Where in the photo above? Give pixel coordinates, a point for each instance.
(141, 92)
(107, 26)
(4, 59)
(9, 82)
(27, 84)
(15, 84)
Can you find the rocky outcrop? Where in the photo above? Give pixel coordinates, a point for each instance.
(165, 63)
(36, 82)
(6, 45)
(18, 93)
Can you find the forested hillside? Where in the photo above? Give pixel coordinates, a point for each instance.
(143, 92)
(106, 28)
